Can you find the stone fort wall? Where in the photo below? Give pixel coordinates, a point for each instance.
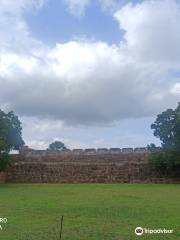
(87, 166)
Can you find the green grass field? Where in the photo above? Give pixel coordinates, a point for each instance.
(91, 211)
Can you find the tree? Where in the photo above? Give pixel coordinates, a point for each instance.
(10, 137)
(5, 161)
(165, 160)
(57, 146)
(167, 128)
(153, 148)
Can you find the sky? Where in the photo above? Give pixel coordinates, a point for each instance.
(90, 73)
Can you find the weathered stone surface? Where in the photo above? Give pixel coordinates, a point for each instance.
(90, 150)
(86, 168)
(25, 150)
(115, 150)
(141, 149)
(127, 150)
(102, 150)
(78, 151)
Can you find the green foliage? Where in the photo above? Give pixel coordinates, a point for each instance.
(10, 132)
(165, 160)
(167, 128)
(57, 146)
(153, 148)
(10, 137)
(5, 161)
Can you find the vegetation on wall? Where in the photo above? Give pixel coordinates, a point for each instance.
(10, 137)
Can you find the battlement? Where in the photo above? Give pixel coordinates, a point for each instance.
(26, 151)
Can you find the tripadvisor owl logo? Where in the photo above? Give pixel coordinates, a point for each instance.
(139, 231)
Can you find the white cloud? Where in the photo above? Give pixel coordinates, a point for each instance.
(113, 5)
(16, 7)
(37, 144)
(77, 7)
(15, 34)
(152, 30)
(87, 82)
(84, 83)
(106, 4)
(176, 89)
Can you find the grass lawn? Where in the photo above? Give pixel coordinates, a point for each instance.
(91, 211)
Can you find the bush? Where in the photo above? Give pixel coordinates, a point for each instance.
(5, 161)
(165, 160)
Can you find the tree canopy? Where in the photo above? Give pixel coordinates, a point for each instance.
(57, 146)
(167, 128)
(10, 132)
(10, 137)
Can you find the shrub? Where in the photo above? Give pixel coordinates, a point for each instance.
(165, 160)
(5, 161)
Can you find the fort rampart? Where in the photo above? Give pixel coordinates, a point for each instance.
(88, 166)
